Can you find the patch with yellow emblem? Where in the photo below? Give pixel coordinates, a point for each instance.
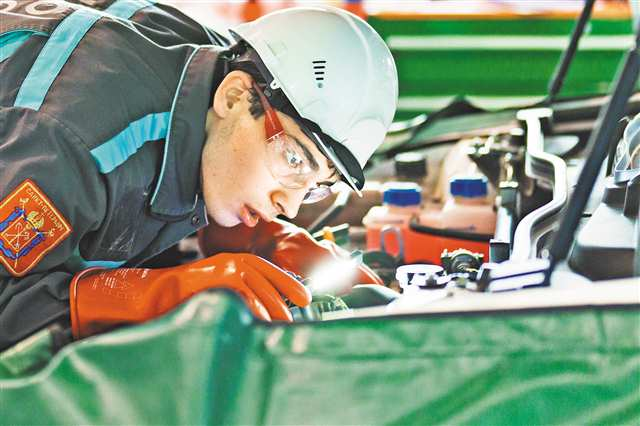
(30, 227)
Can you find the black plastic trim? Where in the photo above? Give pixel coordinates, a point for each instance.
(449, 233)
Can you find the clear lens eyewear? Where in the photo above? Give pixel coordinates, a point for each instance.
(286, 159)
(316, 194)
(287, 162)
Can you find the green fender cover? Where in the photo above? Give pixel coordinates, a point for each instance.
(209, 362)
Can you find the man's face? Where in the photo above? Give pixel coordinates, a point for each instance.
(238, 184)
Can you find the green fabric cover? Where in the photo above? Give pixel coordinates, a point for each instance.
(208, 362)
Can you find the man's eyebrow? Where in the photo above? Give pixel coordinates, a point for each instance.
(307, 153)
(314, 163)
(330, 180)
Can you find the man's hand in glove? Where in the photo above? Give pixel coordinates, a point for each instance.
(102, 299)
(287, 245)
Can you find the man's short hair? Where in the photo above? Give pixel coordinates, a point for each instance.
(242, 60)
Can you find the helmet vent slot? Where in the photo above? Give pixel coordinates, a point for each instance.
(319, 68)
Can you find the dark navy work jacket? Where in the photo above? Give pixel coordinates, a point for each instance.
(102, 115)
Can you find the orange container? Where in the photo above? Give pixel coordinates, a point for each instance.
(422, 244)
(467, 220)
(425, 244)
(401, 204)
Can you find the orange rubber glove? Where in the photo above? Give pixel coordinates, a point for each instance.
(101, 299)
(283, 243)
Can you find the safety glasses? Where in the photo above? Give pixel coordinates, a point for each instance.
(286, 158)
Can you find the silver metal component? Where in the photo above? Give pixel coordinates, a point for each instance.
(546, 167)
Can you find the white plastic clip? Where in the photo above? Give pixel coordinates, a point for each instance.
(420, 274)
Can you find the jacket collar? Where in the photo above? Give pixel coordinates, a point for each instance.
(176, 192)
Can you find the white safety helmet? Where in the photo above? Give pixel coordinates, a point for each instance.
(337, 72)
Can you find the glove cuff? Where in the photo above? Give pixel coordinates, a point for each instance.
(76, 323)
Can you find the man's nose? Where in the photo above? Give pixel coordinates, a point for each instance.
(288, 201)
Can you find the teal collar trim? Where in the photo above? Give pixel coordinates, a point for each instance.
(175, 195)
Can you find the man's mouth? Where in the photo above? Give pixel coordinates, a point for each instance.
(249, 216)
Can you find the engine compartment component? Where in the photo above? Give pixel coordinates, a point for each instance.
(555, 199)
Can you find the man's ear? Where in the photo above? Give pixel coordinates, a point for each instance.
(231, 91)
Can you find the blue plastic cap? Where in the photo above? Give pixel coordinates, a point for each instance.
(402, 194)
(468, 186)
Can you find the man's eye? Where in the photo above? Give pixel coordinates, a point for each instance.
(294, 160)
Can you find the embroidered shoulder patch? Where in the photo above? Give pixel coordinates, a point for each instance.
(30, 227)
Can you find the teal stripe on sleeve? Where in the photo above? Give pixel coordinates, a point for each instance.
(101, 264)
(127, 8)
(53, 56)
(76, 263)
(11, 41)
(116, 150)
